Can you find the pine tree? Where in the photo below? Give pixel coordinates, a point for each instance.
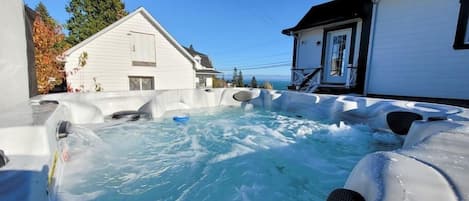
(44, 14)
(240, 79)
(235, 77)
(91, 16)
(45, 17)
(253, 82)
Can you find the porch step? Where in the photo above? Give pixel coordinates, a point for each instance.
(332, 86)
(333, 89)
(329, 89)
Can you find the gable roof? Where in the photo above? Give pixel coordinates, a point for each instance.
(150, 18)
(205, 60)
(330, 12)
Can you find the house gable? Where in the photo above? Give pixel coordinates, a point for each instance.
(148, 17)
(112, 62)
(311, 42)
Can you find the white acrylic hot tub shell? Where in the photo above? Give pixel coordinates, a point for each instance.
(27, 136)
(430, 166)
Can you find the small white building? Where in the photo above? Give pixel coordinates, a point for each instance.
(134, 53)
(205, 72)
(384, 47)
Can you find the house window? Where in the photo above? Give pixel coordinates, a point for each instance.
(141, 83)
(462, 32)
(143, 49)
(198, 59)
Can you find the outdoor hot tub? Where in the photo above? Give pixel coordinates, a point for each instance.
(231, 144)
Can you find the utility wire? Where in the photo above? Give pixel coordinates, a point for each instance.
(246, 49)
(255, 57)
(259, 65)
(262, 67)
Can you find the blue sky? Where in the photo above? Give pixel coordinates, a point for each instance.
(235, 33)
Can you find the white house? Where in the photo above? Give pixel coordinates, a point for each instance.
(134, 53)
(17, 73)
(205, 72)
(384, 47)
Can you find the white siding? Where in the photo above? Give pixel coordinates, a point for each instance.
(13, 58)
(143, 47)
(309, 53)
(110, 60)
(413, 53)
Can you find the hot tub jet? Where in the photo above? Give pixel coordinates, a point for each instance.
(63, 129)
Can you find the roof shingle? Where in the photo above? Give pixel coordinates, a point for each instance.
(330, 12)
(205, 60)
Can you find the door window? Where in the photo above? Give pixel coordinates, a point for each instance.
(339, 44)
(462, 30)
(337, 54)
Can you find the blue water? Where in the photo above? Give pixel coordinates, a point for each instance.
(220, 154)
(276, 84)
(280, 84)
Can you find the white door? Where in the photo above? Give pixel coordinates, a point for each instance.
(338, 46)
(209, 82)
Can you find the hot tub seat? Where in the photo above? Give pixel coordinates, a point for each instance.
(390, 176)
(431, 168)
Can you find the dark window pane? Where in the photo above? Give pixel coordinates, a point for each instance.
(134, 83)
(147, 83)
(338, 49)
(461, 40)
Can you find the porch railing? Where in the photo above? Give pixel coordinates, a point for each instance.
(351, 80)
(303, 80)
(309, 79)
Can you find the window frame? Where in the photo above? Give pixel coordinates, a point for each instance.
(462, 27)
(133, 41)
(198, 59)
(141, 83)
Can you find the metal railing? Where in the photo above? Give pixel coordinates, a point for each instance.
(306, 81)
(351, 80)
(309, 79)
(299, 74)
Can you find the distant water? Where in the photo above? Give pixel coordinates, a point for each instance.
(280, 84)
(276, 84)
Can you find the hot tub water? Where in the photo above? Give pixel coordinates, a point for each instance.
(220, 154)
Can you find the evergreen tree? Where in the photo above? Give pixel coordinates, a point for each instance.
(253, 82)
(235, 77)
(91, 16)
(44, 14)
(240, 79)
